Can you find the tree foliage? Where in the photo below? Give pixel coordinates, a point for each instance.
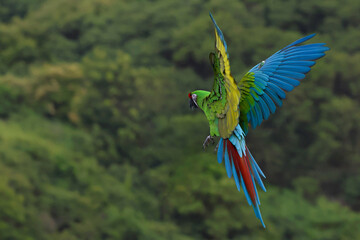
(97, 141)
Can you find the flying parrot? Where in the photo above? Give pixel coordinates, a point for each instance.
(232, 105)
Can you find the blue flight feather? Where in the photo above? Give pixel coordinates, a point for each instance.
(299, 69)
(220, 151)
(288, 80)
(257, 166)
(269, 102)
(256, 192)
(257, 177)
(264, 108)
(294, 75)
(259, 114)
(281, 84)
(258, 215)
(313, 56)
(277, 90)
(227, 162)
(253, 117)
(273, 96)
(301, 40)
(306, 48)
(301, 63)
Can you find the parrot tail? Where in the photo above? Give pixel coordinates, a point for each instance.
(241, 164)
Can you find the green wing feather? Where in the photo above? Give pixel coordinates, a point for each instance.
(246, 100)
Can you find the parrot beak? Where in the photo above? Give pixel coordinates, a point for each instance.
(192, 104)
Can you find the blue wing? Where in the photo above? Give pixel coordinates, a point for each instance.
(266, 84)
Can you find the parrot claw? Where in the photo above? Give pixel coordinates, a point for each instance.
(207, 141)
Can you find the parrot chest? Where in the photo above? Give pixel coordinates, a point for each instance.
(215, 111)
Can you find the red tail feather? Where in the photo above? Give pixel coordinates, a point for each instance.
(243, 168)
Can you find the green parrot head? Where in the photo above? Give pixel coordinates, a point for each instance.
(197, 98)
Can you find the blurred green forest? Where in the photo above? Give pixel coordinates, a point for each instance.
(97, 140)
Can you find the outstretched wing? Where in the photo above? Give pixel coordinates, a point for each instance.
(266, 83)
(228, 119)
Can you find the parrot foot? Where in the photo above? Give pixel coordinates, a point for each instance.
(207, 141)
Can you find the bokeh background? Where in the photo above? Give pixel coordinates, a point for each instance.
(97, 140)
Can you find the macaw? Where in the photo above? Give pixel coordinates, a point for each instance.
(232, 106)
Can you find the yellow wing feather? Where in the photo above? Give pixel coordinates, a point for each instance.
(229, 118)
